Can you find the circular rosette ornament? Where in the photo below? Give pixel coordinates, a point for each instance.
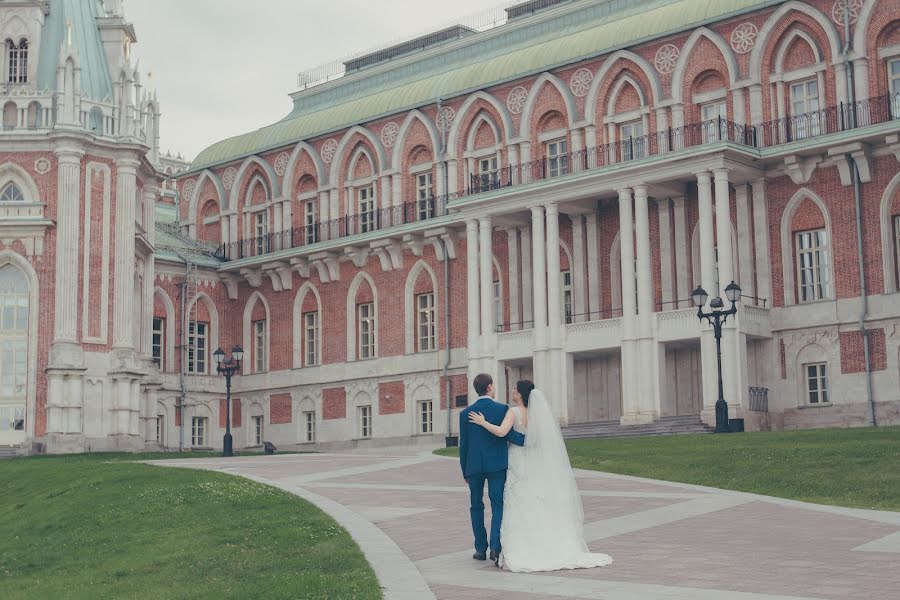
(281, 163)
(328, 150)
(515, 101)
(666, 57)
(744, 37)
(389, 134)
(445, 118)
(580, 83)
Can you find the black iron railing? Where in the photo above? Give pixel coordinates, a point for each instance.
(759, 399)
(831, 120)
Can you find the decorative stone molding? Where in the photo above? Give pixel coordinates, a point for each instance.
(253, 276)
(414, 242)
(842, 6)
(228, 178)
(389, 134)
(414, 383)
(280, 274)
(445, 119)
(580, 83)
(893, 142)
(328, 150)
(389, 252)
(187, 190)
(327, 265)
(800, 170)
(281, 163)
(515, 100)
(860, 154)
(743, 38)
(231, 285)
(301, 265)
(358, 255)
(42, 166)
(666, 58)
(367, 386)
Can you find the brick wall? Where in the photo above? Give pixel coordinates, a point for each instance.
(853, 358)
(280, 409)
(391, 399)
(334, 403)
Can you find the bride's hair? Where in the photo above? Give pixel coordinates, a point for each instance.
(524, 387)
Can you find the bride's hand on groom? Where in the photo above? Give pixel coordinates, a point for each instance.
(477, 418)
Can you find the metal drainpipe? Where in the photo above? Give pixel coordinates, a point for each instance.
(182, 397)
(860, 247)
(446, 369)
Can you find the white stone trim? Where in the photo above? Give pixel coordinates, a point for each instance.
(399, 145)
(87, 283)
(294, 160)
(8, 257)
(456, 127)
(194, 200)
(377, 166)
(352, 317)
(888, 252)
(686, 55)
(213, 328)
(248, 334)
(169, 349)
(411, 310)
(649, 72)
(531, 101)
(272, 186)
(787, 245)
(299, 348)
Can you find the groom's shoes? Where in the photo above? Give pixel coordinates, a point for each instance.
(480, 556)
(495, 558)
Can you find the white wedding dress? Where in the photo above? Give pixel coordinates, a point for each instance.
(543, 518)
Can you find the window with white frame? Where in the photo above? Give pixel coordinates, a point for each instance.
(426, 416)
(199, 429)
(567, 296)
(160, 429)
(897, 248)
(18, 61)
(366, 208)
(488, 173)
(198, 347)
(893, 71)
(816, 383)
(631, 139)
(805, 108)
(261, 231)
(312, 222)
(365, 421)
(158, 341)
(12, 193)
(557, 158)
(498, 307)
(366, 319)
(714, 121)
(260, 345)
(812, 265)
(426, 322)
(425, 195)
(311, 328)
(309, 426)
(257, 429)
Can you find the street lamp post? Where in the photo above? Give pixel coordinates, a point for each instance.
(228, 367)
(717, 318)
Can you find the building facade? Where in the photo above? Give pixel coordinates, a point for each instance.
(539, 199)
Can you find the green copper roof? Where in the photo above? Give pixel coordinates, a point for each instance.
(172, 246)
(96, 82)
(536, 49)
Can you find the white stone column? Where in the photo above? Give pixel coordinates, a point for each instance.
(577, 268)
(683, 284)
(593, 268)
(122, 404)
(667, 279)
(744, 240)
(631, 388)
(473, 313)
(756, 105)
(126, 188)
(56, 394)
(452, 177)
(554, 277)
(539, 277)
(512, 244)
(73, 414)
(738, 107)
(486, 272)
(527, 285)
(707, 244)
(644, 271)
(134, 427)
(761, 240)
(577, 161)
(724, 230)
(67, 234)
(861, 78)
(662, 125)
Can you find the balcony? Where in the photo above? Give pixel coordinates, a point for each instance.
(605, 334)
(772, 134)
(675, 325)
(515, 344)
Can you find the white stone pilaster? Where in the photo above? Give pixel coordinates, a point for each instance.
(577, 160)
(73, 411)
(123, 313)
(724, 229)
(644, 272)
(707, 243)
(539, 279)
(527, 294)
(745, 247)
(473, 314)
(55, 402)
(67, 242)
(861, 78)
(667, 280)
(756, 104)
(486, 273)
(761, 240)
(554, 277)
(738, 106)
(593, 267)
(578, 284)
(512, 244)
(682, 280)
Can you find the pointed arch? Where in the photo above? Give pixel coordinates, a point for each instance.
(256, 180)
(194, 200)
(410, 309)
(299, 149)
(17, 261)
(888, 240)
(766, 32)
(273, 181)
(456, 128)
(405, 127)
(862, 24)
(686, 54)
(342, 148)
(213, 319)
(482, 118)
(564, 91)
(169, 307)
(352, 325)
(787, 244)
(299, 327)
(620, 84)
(590, 104)
(360, 152)
(786, 43)
(255, 297)
(13, 173)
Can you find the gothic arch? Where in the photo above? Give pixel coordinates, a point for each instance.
(213, 318)
(483, 117)
(307, 288)
(272, 183)
(378, 165)
(410, 302)
(787, 244)
(888, 252)
(169, 307)
(13, 173)
(352, 328)
(564, 91)
(8, 257)
(684, 58)
(194, 200)
(359, 153)
(620, 84)
(405, 127)
(255, 297)
(590, 105)
(456, 128)
(299, 149)
(786, 43)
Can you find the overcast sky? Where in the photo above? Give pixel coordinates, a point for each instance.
(225, 67)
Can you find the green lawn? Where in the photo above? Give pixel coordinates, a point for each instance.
(845, 467)
(103, 526)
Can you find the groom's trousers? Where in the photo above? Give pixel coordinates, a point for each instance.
(496, 482)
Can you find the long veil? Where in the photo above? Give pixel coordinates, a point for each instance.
(547, 465)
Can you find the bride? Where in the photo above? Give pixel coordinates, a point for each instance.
(543, 520)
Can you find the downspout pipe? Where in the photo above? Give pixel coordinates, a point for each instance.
(860, 246)
(446, 261)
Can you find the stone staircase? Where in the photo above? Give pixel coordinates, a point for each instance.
(8, 452)
(664, 426)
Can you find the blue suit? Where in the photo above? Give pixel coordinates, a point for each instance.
(484, 457)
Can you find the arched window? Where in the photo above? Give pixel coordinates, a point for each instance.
(18, 61)
(12, 193)
(14, 307)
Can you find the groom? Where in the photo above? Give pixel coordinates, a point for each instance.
(483, 457)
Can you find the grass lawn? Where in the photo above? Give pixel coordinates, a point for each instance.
(857, 467)
(104, 526)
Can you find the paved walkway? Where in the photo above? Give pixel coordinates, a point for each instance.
(409, 513)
